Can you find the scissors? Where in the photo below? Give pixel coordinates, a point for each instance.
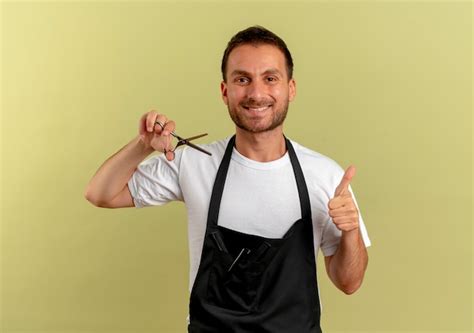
(182, 141)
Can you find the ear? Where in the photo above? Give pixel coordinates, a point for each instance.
(224, 92)
(292, 89)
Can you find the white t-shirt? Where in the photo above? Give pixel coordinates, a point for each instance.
(259, 198)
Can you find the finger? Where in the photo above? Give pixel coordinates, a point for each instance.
(345, 181)
(142, 124)
(157, 127)
(336, 202)
(347, 226)
(169, 127)
(343, 220)
(342, 211)
(150, 119)
(342, 201)
(169, 155)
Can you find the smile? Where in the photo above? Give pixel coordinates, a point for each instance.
(260, 109)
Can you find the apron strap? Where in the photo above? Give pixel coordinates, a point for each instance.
(219, 183)
(300, 182)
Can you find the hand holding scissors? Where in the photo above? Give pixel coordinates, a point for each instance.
(160, 137)
(185, 141)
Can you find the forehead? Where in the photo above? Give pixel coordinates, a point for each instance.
(256, 58)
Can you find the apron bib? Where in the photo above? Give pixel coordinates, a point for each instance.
(248, 283)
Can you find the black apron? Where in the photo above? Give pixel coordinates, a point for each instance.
(248, 283)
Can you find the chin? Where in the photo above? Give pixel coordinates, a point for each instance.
(256, 129)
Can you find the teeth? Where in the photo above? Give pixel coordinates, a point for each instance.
(259, 109)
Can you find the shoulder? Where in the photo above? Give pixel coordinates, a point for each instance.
(314, 158)
(318, 166)
(195, 158)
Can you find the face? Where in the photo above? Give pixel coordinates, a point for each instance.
(257, 91)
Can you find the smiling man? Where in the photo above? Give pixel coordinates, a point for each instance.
(258, 84)
(258, 209)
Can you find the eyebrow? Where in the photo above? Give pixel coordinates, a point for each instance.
(268, 71)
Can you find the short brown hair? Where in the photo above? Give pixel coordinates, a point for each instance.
(257, 35)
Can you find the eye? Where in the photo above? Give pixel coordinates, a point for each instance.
(272, 79)
(242, 79)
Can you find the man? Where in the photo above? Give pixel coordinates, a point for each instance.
(253, 242)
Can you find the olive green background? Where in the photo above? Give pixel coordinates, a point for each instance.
(386, 86)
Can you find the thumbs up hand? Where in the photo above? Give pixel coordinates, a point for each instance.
(342, 208)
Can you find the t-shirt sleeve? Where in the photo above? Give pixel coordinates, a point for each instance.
(331, 235)
(155, 182)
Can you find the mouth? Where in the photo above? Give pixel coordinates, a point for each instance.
(258, 109)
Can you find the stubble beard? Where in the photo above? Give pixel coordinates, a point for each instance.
(278, 118)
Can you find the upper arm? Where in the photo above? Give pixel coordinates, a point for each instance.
(123, 199)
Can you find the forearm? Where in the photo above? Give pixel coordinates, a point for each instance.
(349, 263)
(115, 172)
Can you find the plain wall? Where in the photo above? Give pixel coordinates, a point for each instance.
(385, 86)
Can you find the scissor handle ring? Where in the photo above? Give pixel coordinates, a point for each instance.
(159, 123)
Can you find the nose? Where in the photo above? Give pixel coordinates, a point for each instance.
(256, 91)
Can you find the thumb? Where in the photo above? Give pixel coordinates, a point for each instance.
(345, 181)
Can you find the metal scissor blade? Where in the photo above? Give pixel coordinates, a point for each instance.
(198, 148)
(196, 137)
(177, 136)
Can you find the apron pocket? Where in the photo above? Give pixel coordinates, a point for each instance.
(235, 290)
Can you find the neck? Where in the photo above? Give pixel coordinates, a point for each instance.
(261, 147)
